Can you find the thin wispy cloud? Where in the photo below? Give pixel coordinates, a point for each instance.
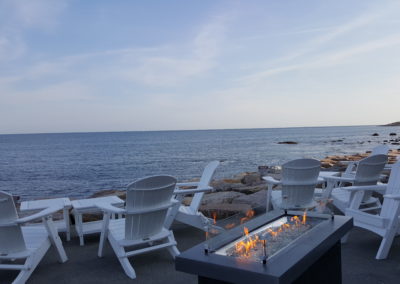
(19, 16)
(199, 57)
(317, 52)
(327, 59)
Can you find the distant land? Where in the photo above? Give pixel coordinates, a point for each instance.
(397, 123)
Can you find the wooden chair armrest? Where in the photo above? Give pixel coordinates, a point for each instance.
(335, 178)
(392, 196)
(380, 188)
(271, 180)
(192, 191)
(45, 212)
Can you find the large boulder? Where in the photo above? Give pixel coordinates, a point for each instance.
(250, 189)
(222, 211)
(220, 197)
(251, 179)
(226, 185)
(253, 200)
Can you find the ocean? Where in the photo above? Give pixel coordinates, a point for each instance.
(80, 164)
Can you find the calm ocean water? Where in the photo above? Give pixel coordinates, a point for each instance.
(79, 164)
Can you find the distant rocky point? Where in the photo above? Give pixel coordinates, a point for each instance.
(392, 124)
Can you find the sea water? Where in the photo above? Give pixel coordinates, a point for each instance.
(80, 164)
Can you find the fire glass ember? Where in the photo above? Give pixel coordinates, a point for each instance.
(264, 242)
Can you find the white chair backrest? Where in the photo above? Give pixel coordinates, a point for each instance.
(205, 180)
(152, 195)
(11, 238)
(390, 206)
(369, 169)
(380, 150)
(368, 172)
(299, 178)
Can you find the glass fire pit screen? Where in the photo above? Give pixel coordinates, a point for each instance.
(257, 241)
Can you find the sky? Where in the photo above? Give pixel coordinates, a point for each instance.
(83, 66)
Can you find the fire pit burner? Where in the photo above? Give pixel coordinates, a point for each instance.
(276, 247)
(267, 240)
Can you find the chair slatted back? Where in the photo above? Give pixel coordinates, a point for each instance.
(205, 180)
(299, 178)
(380, 150)
(11, 238)
(369, 170)
(152, 195)
(390, 207)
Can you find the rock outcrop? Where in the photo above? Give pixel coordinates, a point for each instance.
(397, 123)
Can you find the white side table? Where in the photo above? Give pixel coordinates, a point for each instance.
(83, 206)
(61, 225)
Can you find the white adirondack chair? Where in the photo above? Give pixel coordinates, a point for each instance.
(190, 215)
(299, 178)
(386, 223)
(142, 229)
(29, 243)
(368, 172)
(378, 150)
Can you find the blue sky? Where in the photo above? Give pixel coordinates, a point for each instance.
(69, 65)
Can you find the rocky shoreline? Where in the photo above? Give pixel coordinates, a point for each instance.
(247, 190)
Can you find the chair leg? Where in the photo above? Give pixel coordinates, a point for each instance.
(55, 239)
(79, 226)
(23, 276)
(121, 255)
(126, 265)
(386, 243)
(104, 233)
(173, 250)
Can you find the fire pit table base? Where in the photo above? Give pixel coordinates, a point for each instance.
(327, 269)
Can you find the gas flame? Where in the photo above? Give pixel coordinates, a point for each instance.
(214, 215)
(304, 219)
(230, 226)
(249, 215)
(243, 248)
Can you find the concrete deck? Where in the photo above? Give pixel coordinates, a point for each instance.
(358, 262)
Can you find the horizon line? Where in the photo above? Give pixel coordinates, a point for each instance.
(171, 130)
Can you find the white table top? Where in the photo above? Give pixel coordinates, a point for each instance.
(45, 203)
(90, 203)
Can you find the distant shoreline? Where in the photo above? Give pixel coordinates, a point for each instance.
(397, 123)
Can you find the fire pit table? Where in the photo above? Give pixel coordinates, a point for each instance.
(276, 247)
